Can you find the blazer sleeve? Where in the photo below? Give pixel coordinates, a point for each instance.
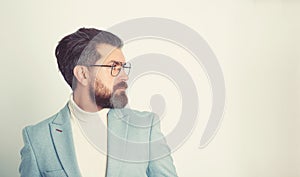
(161, 162)
(28, 166)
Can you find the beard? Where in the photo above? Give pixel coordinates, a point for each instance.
(104, 98)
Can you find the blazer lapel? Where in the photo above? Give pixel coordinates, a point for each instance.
(117, 138)
(63, 141)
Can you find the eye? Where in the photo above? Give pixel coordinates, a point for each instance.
(116, 67)
(126, 65)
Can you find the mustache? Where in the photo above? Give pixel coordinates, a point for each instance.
(120, 85)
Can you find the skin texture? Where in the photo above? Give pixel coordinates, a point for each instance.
(96, 84)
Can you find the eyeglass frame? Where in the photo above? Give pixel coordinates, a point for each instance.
(112, 66)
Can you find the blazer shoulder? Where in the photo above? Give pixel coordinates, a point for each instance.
(41, 125)
(138, 113)
(141, 118)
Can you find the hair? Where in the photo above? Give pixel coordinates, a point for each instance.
(79, 48)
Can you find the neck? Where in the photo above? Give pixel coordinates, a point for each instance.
(85, 102)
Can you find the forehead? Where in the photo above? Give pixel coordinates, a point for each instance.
(109, 53)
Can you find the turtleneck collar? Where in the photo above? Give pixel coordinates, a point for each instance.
(85, 116)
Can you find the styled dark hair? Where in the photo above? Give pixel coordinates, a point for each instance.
(79, 48)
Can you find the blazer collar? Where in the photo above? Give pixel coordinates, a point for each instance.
(64, 115)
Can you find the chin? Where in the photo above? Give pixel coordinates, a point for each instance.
(119, 100)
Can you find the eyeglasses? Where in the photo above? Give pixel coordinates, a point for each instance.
(116, 68)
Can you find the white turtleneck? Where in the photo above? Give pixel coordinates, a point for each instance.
(90, 139)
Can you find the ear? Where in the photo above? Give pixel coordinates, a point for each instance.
(82, 74)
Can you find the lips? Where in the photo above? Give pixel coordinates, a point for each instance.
(121, 88)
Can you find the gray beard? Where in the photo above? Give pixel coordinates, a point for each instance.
(118, 100)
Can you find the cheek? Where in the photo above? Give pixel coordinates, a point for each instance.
(101, 77)
(107, 83)
(110, 83)
(101, 89)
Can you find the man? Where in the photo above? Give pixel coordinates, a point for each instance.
(94, 135)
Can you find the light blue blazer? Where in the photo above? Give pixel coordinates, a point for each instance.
(49, 150)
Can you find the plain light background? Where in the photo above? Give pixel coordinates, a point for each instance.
(257, 43)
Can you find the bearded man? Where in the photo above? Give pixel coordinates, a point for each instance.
(94, 135)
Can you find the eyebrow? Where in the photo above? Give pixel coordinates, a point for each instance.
(115, 61)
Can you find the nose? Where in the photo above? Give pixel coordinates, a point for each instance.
(122, 75)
